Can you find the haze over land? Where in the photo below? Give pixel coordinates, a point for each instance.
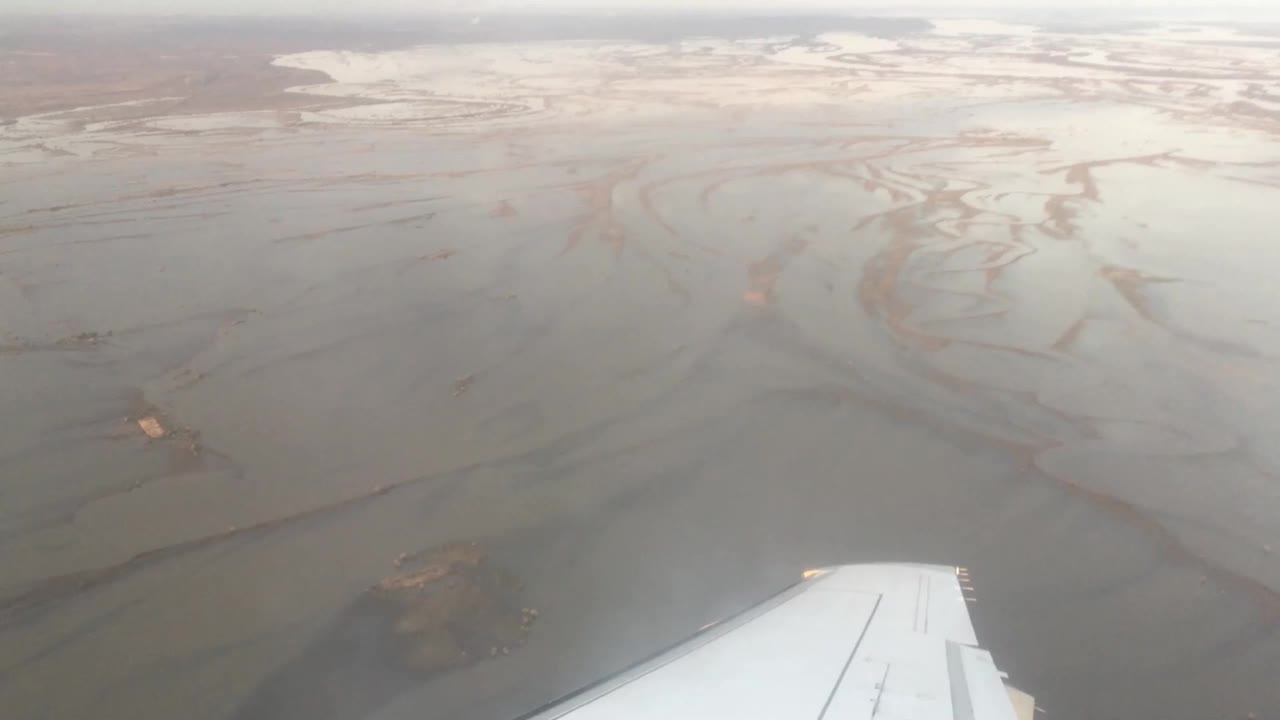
(658, 312)
(1245, 10)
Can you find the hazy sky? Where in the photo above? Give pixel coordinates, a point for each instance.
(330, 7)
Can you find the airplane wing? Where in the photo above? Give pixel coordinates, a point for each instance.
(854, 642)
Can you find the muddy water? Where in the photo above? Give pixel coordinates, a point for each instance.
(658, 357)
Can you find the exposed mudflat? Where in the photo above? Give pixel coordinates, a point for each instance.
(307, 402)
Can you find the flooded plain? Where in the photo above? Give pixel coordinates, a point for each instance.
(622, 335)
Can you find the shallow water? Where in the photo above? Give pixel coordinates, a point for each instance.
(662, 326)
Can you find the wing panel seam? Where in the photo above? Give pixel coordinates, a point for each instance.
(849, 661)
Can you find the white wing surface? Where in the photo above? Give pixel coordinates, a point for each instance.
(855, 642)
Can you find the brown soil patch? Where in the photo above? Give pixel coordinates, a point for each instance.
(452, 609)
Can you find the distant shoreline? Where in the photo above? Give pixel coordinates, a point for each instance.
(225, 63)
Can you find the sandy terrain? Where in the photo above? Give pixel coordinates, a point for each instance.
(660, 321)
